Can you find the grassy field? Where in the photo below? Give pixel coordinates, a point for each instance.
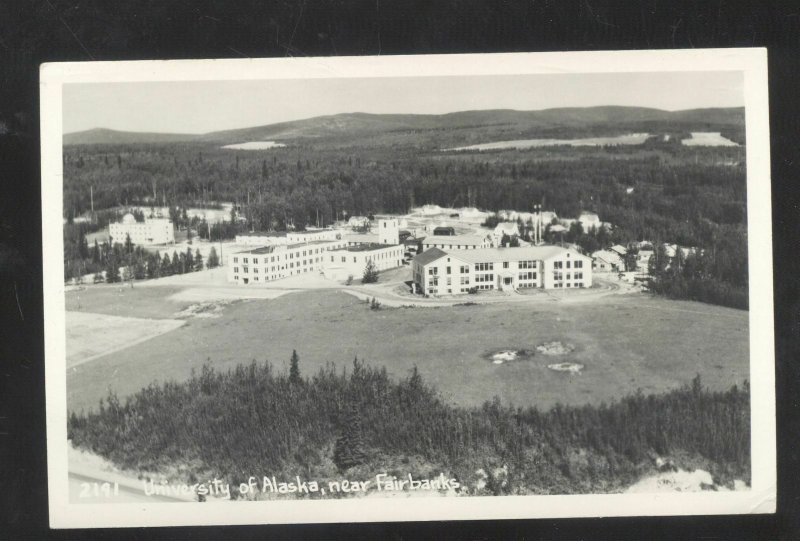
(626, 343)
(83, 330)
(123, 300)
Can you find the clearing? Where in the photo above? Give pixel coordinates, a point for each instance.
(624, 342)
(90, 336)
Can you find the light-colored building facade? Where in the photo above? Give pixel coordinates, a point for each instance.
(456, 242)
(268, 263)
(277, 238)
(439, 272)
(607, 261)
(353, 260)
(334, 253)
(150, 231)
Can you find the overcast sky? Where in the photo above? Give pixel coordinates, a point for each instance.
(201, 107)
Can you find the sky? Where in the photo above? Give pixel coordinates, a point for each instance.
(203, 106)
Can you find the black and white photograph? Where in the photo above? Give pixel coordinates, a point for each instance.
(395, 288)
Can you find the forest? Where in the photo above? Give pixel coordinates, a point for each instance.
(660, 191)
(124, 261)
(357, 420)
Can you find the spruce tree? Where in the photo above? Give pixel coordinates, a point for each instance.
(198, 260)
(294, 368)
(349, 448)
(213, 259)
(370, 273)
(189, 259)
(166, 265)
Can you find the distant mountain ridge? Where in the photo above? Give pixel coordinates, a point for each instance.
(368, 123)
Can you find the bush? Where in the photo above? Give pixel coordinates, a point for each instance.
(251, 419)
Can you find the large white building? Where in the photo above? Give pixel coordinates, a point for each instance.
(326, 251)
(268, 263)
(150, 231)
(436, 272)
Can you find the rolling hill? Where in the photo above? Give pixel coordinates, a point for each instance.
(366, 125)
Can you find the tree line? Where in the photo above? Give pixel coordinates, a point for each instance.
(113, 262)
(255, 419)
(687, 196)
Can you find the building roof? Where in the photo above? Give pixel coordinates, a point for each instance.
(606, 255)
(263, 234)
(488, 255)
(454, 239)
(371, 247)
(507, 227)
(365, 238)
(309, 243)
(128, 219)
(618, 248)
(429, 256)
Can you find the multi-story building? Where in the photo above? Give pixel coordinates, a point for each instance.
(325, 251)
(150, 231)
(437, 272)
(279, 261)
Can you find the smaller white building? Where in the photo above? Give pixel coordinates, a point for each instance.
(150, 231)
(607, 261)
(589, 220)
(508, 228)
(352, 260)
(456, 242)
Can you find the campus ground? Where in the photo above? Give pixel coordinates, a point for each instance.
(625, 341)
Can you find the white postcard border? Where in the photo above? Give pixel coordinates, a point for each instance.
(760, 499)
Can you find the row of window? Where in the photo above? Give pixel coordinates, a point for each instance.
(558, 276)
(560, 264)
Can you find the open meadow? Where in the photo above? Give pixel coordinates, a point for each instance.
(625, 343)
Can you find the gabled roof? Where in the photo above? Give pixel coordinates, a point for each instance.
(429, 256)
(454, 239)
(522, 253)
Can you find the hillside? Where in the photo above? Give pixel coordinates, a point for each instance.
(577, 121)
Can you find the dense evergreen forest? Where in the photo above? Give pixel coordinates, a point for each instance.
(254, 421)
(660, 191)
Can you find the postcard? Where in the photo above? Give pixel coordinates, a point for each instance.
(408, 288)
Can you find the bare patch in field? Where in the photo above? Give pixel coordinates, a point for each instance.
(90, 336)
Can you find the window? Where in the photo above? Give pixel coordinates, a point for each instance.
(245, 270)
(527, 264)
(449, 281)
(568, 262)
(255, 270)
(579, 276)
(344, 259)
(558, 264)
(579, 264)
(464, 281)
(255, 260)
(484, 266)
(245, 260)
(433, 271)
(235, 259)
(505, 264)
(464, 269)
(448, 270)
(558, 276)
(236, 269)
